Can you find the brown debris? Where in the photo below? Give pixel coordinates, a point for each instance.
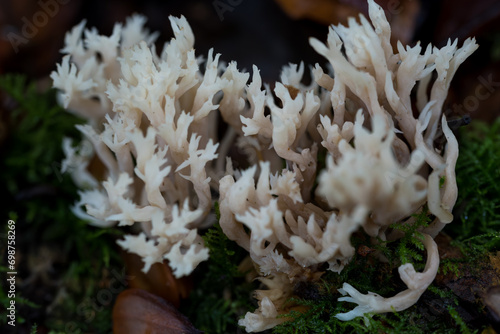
(159, 280)
(138, 311)
(402, 15)
(475, 284)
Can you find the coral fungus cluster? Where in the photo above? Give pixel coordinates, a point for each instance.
(154, 123)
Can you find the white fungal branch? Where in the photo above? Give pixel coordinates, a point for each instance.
(144, 115)
(417, 283)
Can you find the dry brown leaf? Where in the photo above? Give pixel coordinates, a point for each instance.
(138, 311)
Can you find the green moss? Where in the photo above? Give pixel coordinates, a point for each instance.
(459, 321)
(410, 246)
(478, 176)
(221, 295)
(38, 198)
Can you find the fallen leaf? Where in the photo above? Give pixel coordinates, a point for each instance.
(138, 311)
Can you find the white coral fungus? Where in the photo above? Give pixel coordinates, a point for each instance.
(145, 116)
(152, 122)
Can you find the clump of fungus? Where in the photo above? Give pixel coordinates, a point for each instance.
(152, 121)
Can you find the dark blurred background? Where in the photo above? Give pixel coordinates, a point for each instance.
(248, 31)
(262, 32)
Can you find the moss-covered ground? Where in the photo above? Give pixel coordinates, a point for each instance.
(65, 266)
